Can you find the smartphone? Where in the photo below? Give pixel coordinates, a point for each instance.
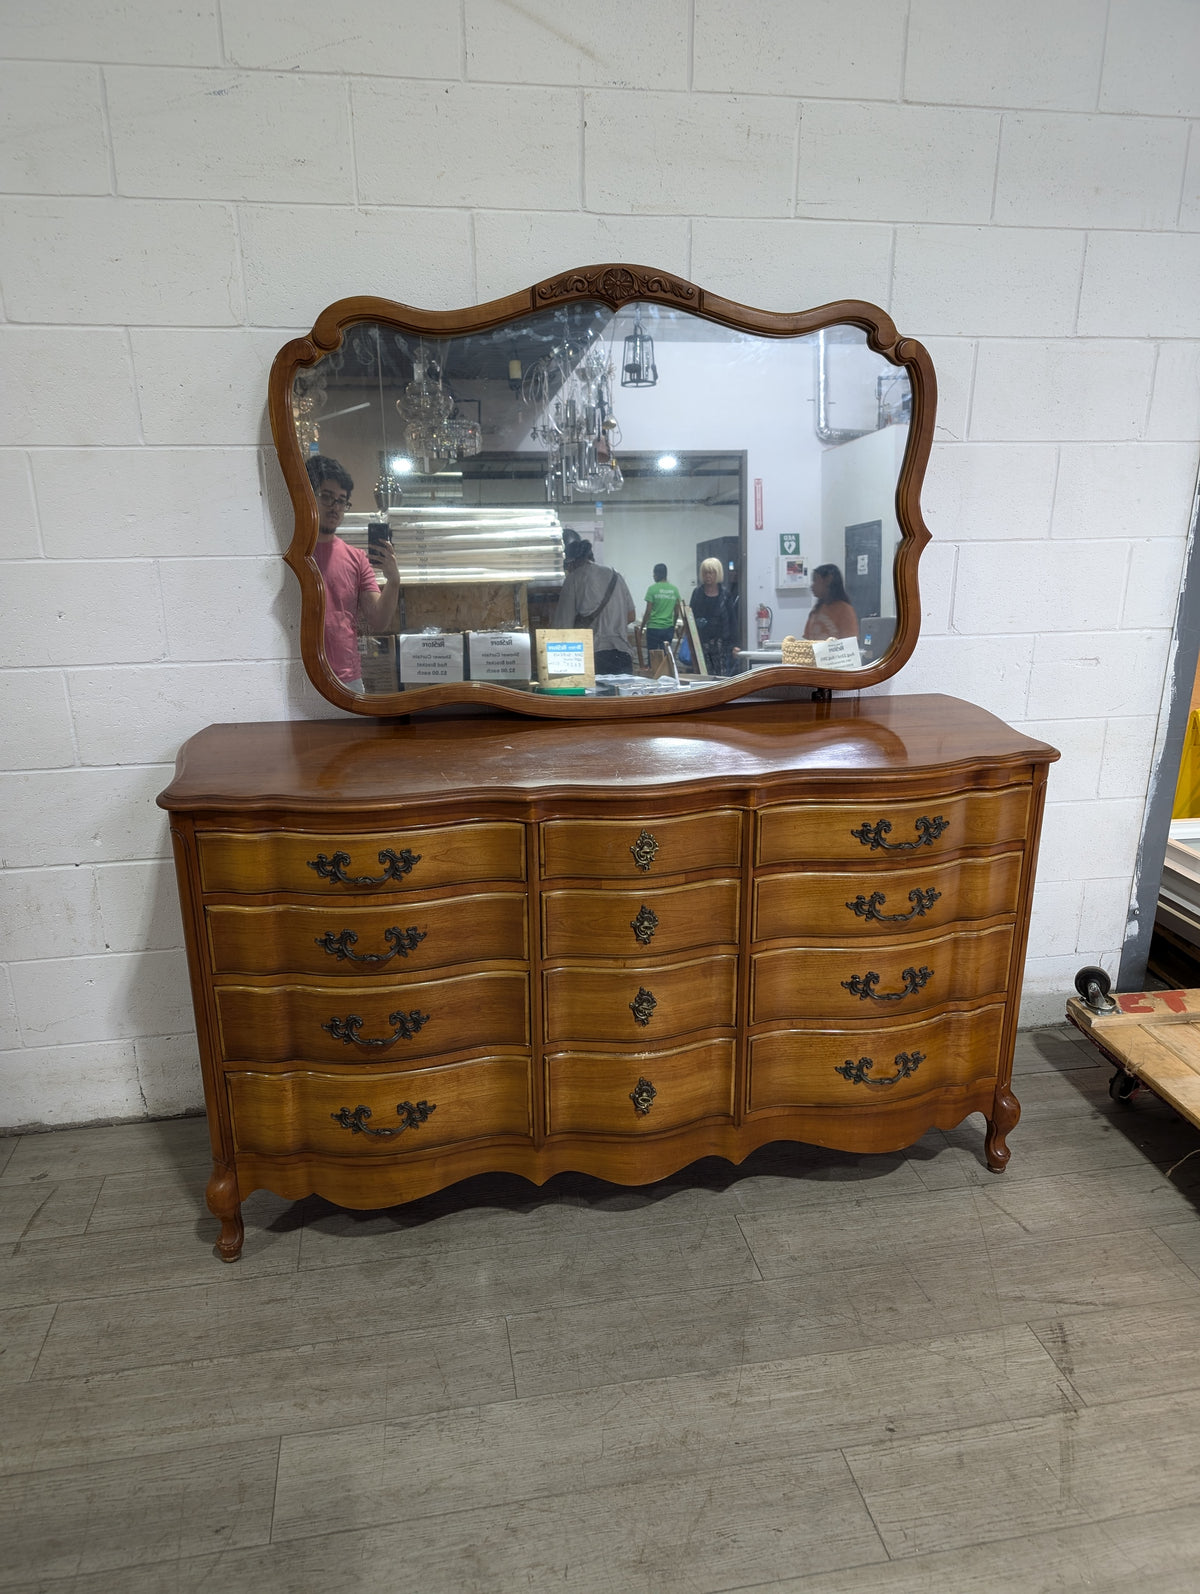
(378, 532)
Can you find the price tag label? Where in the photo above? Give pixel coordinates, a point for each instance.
(431, 658)
(498, 655)
(838, 653)
(565, 658)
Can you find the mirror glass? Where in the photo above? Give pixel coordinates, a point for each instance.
(479, 493)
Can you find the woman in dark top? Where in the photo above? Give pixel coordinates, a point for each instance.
(713, 611)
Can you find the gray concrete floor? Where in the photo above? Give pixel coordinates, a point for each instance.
(814, 1374)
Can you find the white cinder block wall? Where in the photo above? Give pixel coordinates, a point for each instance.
(185, 187)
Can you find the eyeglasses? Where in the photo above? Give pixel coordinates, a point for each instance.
(334, 501)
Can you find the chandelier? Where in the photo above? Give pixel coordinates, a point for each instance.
(577, 428)
(637, 364)
(435, 433)
(308, 400)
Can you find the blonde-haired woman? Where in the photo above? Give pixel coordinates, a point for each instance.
(712, 607)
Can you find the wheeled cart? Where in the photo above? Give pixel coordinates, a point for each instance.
(1152, 1038)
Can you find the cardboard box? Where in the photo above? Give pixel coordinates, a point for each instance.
(566, 660)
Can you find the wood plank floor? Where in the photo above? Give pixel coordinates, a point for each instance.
(815, 1374)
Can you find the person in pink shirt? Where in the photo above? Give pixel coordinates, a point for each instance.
(351, 588)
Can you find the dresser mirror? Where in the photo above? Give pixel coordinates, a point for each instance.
(622, 408)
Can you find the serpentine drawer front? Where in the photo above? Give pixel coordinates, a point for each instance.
(423, 952)
(352, 1023)
(891, 828)
(640, 1008)
(645, 922)
(645, 849)
(356, 942)
(347, 862)
(598, 1093)
(884, 1064)
(876, 903)
(893, 981)
(372, 1115)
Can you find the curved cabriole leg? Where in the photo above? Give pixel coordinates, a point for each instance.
(1005, 1112)
(223, 1203)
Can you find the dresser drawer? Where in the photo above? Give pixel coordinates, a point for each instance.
(280, 1115)
(859, 832)
(885, 982)
(628, 1006)
(622, 923)
(386, 862)
(633, 849)
(594, 1092)
(352, 1023)
(871, 1067)
(875, 904)
(367, 942)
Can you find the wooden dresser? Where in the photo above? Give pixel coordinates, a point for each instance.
(425, 950)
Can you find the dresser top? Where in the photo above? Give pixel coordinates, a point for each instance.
(375, 764)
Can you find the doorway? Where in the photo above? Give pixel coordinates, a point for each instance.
(862, 573)
(1160, 798)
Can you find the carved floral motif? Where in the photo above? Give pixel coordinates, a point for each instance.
(617, 285)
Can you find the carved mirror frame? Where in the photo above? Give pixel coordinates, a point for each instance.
(614, 286)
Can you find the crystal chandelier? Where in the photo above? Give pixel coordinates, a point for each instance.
(577, 427)
(435, 433)
(308, 400)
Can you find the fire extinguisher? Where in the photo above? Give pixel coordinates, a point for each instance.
(763, 619)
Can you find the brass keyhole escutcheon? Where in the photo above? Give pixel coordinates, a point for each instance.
(642, 1094)
(643, 1006)
(644, 850)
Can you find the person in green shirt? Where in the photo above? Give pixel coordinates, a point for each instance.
(658, 622)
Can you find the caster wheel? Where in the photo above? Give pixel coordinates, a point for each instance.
(1122, 1087)
(1090, 976)
(1093, 985)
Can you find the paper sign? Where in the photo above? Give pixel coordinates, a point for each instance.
(564, 658)
(498, 655)
(838, 653)
(431, 658)
(789, 542)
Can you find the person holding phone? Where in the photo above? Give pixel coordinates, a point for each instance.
(351, 588)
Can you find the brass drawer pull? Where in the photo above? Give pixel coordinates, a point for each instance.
(868, 907)
(644, 925)
(642, 1006)
(856, 1072)
(402, 942)
(395, 866)
(642, 1094)
(346, 1029)
(928, 831)
(644, 850)
(863, 985)
(412, 1116)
